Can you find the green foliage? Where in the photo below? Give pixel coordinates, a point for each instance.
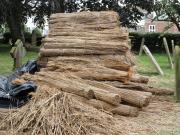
(27, 36)
(153, 40)
(168, 10)
(16, 12)
(4, 28)
(7, 36)
(20, 9)
(38, 35)
(130, 11)
(38, 32)
(25, 28)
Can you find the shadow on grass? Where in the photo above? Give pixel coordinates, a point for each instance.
(148, 73)
(4, 48)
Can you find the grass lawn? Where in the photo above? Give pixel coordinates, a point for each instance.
(145, 67)
(6, 62)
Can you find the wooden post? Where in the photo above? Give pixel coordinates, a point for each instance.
(129, 43)
(173, 48)
(177, 73)
(141, 47)
(158, 68)
(168, 52)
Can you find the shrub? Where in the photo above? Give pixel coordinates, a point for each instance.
(27, 36)
(38, 32)
(6, 37)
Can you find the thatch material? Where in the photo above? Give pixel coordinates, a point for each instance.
(120, 109)
(74, 52)
(101, 90)
(81, 89)
(81, 34)
(57, 113)
(140, 87)
(89, 51)
(92, 72)
(135, 98)
(87, 76)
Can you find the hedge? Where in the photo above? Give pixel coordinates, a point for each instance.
(38, 32)
(7, 36)
(27, 35)
(153, 41)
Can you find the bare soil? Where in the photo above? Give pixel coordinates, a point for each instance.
(161, 117)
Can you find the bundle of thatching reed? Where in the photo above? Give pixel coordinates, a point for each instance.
(85, 34)
(87, 54)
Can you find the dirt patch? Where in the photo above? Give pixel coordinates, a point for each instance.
(162, 116)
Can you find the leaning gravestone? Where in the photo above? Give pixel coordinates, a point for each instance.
(18, 52)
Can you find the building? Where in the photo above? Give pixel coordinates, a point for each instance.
(147, 25)
(158, 26)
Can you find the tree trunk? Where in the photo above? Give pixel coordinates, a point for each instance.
(58, 6)
(14, 25)
(177, 73)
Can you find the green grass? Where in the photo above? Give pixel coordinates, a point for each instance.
(145, 67)
(6, 62)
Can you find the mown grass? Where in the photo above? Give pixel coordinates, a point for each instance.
(145, 67)
(6, 62)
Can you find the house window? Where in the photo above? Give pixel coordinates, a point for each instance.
(152, 28)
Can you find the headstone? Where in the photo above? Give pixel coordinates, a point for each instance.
(18, 52)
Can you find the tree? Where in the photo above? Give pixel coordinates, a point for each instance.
(168, 10)
(47, 7)
(16, 12)
(130, 11)
(13, 12)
